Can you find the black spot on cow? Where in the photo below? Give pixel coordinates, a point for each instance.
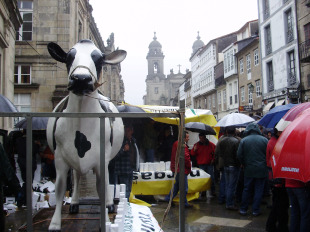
(81, 143)
(70, 58)
(98, 60)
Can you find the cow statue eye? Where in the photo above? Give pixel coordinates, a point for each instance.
(98, 60)
(70, 58)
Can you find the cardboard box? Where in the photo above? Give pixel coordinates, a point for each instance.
(9, 200)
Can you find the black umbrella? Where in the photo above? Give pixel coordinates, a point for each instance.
(38, 123)
(131, 109)
(200, 128)
(6, 106)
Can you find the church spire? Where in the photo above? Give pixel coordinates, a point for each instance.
(154, 38)
(198, 36)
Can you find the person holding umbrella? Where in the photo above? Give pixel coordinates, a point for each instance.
(252, 155)
(226, 149)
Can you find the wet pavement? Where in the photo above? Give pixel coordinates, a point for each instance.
(206, 214)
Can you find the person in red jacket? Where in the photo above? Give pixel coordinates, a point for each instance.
(204, 151)
(188, 168)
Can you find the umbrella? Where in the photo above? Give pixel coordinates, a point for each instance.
(38, 123)
(6, 106)
(270, 119)
(200, 128)
(291, 115)
(291, 157)
(131, 109)
(235, 119)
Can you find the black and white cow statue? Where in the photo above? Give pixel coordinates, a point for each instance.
(75, 141)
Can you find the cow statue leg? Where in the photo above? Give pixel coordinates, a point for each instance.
(108, 199)
(60, 188)
(74, 206)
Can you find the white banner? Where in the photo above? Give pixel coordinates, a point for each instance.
(140, 218)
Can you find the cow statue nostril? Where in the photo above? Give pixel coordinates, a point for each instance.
(81, 84)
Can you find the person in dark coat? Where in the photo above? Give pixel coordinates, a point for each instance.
(278, 216)
(252, 155)
(21, 150)
(7, 176)
(226, 149)
(126, 161)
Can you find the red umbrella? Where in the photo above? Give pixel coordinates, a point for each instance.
(291, 156)
(291, 115)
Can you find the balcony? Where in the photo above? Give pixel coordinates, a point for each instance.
(304, 52)
(291, 79)
(268, 48)
(290, 35)
(270, 86)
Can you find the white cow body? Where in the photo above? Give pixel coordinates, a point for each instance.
(76, 141)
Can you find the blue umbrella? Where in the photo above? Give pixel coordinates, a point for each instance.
(271, 119)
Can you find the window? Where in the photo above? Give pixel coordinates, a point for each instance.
(266, 9)
(270, 85)
(236, 91)
(307, 33)
(156, 90)
(22, 101)
(241, 65)
(224, 96)
(248, 63)
(155, 67)
(230, 94)
(250, 95)
(22, 74)
(209, 102)
(25, 31)
(268, 40)
(289, 26)
(219, 97)
(292, 69)
(257, 86)
(256, 57)
(213, 100)
(242, 94)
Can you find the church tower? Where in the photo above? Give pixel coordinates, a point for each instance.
(160, 90)
(156, 91)
(155, 60)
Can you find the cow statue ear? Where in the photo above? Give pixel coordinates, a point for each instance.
(115, 57)
(56, 52)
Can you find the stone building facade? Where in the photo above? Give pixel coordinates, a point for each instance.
(250, 87)
(39, 81)
(10, 21)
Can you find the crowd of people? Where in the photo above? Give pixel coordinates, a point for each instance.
(240, 164)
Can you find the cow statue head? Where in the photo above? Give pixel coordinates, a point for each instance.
(84, 63)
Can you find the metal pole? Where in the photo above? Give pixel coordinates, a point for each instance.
(29, 173)
(102, 175)
(182, 173)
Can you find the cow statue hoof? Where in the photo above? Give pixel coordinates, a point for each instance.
(74, 209)
(111, 209)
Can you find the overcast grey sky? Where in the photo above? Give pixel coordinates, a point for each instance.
(175, 22)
